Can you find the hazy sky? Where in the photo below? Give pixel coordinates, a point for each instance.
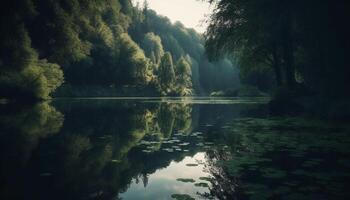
(190, 12)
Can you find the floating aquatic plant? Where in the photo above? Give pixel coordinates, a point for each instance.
(201, 184)
(186, 180)
(192, 165)
(182, 197)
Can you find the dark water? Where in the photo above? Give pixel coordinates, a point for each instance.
(169, 149)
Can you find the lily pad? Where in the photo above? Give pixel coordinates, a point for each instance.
(209, 143)
(201, 184)
(205, 178)
(182, 197)
(168, 150)
(186, 180)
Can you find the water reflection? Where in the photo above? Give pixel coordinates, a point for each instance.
(21, 130)
(167, 149)
(281, 158)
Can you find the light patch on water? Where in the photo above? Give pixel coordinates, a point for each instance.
(163, 183)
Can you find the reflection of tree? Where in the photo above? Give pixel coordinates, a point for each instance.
(96, 154)
(97, 139)
(224, 185)
(275, 158)
(25, 126)
(166, 120)
(21, 129)
(175, 116)
(183, 117)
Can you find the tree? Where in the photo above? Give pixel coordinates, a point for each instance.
(183, 77)
(133, 62)
(152, 45)
(23, 75)
(95, 44)
(254, 30)
(293, 37)
(166, 73)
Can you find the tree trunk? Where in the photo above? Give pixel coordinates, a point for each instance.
(289, 61)
(288, 51)
(277, 66)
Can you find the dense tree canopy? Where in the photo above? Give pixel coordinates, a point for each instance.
(152, 45)
(99, 45)
(303, 42)
(167, 73)
(184, 76)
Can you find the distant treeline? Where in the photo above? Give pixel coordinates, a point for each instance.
(111, 44)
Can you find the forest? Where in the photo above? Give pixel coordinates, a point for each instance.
(102, 48)
(295, 51)
(124, 99)
(302, 45)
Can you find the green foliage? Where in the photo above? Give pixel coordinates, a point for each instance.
(99, 44)
(152, 45)
(16, 49)
(36, 81)
(133, 61)
(183, 77)
(293, 38)
(166, 73)
(23, 74)
(183, 42)
(259, 76)
(126, 7)
(41, 79)
(220, 75)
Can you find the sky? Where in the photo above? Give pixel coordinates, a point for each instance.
(189, 12)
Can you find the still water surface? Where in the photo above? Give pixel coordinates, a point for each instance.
(169, 148)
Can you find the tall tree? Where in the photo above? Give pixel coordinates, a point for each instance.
(166, 73)
(293, 37)
(152, 45)
(183, 77)
(260, 31)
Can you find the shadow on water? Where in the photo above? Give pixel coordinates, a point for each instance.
(168, 148)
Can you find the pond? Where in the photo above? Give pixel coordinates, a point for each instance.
(169, 148)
